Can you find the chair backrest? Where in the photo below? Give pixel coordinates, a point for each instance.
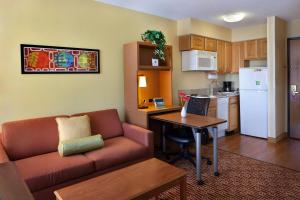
(198, 106)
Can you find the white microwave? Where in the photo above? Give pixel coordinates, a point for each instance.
(196, 60)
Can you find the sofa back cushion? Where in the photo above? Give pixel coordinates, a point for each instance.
(31, 137)
(105, 122)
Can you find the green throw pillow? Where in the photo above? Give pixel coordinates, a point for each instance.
(80, 145)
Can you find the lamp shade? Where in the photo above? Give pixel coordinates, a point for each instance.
(142, 81)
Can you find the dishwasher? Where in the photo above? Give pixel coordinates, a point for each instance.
(222, 113)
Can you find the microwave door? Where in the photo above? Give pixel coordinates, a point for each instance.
(204, 63)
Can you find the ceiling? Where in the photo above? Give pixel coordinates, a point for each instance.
(212, 11)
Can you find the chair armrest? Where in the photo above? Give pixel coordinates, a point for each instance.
(139, 135)
(3, 156)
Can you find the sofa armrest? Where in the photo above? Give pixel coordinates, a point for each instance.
(3, 156)
(139, 135)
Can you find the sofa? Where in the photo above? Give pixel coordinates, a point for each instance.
(32, 146)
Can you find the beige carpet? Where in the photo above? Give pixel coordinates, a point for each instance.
(241, 178)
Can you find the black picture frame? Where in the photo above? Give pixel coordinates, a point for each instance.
(76, 70)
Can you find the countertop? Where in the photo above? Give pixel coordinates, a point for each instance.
(219, 95)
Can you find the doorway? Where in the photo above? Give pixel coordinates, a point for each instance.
(294, 88)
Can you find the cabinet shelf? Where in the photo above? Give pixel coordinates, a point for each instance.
(146, 53)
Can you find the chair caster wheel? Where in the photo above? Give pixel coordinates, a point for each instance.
(209, 162)
(201, 182)
(216, 173)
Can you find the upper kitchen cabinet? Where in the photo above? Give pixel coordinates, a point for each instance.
(197, 42)
(238, 57)
(251, 49)
(191, 42)
(262, 48)
(224, 51)
(210, 44)
(256, 49)
(228, 57)
(221, 56)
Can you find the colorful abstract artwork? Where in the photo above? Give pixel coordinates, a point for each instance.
(50, 59)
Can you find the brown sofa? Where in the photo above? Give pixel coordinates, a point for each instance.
(32, 145)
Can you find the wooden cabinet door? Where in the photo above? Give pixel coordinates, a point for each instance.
(237, 56)
(262, 48)
(221, 56)
(242, 54)
(197, 42)
(236, 48)
(212, 109)
(184, 43)
(233, 122)
(210, 44)
(233, 117)
(189, 42)
(228, 57)
(251, 49)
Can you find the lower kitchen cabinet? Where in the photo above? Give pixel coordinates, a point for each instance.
(212, 109)
(233, 119)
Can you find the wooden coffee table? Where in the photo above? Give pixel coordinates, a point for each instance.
(143, 180)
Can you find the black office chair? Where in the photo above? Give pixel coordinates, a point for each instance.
(184, 137)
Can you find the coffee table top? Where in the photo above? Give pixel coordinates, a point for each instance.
(126, 183)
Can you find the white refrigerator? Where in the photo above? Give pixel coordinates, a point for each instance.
(254, 101)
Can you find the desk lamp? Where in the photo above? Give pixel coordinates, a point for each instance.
(142, 84)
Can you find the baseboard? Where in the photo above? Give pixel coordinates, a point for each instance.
(278, 138)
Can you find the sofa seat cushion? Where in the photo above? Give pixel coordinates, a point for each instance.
(50, 169)
(116, 151)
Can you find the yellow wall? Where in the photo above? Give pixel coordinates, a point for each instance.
(293, 28)
(210, 30)
(249, 32)
(75, 23)
(184, 26)
(200, 27)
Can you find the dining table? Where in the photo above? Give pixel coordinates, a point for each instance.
(195, 122)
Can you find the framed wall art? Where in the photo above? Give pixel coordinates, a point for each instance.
(40, 59)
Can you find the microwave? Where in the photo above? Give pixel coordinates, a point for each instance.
(196, 60)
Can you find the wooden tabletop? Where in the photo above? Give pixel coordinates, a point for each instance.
(132, 182)
(191, 120)
(12, 187)
(153, 109)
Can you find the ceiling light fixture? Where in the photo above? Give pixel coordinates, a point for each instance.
(234, 17)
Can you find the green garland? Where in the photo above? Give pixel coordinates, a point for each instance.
(157, 38)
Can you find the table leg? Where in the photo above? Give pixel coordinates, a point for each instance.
(197, 137)
(215, 132)
(183, 189)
